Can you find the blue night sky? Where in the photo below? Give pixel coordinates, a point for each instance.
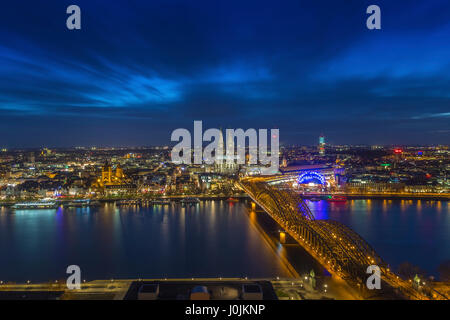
(137, 70)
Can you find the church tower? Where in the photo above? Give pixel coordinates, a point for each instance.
(106, 173)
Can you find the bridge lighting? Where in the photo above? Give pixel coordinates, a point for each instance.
(295, 228)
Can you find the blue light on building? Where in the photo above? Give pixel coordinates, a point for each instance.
(311, 177)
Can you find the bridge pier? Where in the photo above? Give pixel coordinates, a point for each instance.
(282, 237)
(255, 207)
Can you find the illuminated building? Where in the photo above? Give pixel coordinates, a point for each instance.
(321, 175)
(113, 180)
(110, 178)
(106, 174)
(225, 164)
(322, 145)
(311, 177)
(46, 152)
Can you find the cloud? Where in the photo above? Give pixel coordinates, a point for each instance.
(432, 115)
(148, 66)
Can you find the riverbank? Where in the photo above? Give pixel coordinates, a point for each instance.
(115, 199)
(349, 196)
(441, 197)
(383, 196)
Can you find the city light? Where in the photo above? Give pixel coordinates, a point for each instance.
(232, 151)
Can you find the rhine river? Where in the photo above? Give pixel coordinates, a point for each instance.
(211, 239)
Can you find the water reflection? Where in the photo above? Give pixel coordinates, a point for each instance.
(207, 240)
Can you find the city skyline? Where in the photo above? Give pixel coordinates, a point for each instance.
(132, 147)
(137, 71)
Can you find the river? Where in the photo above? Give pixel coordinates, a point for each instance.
(211, 239)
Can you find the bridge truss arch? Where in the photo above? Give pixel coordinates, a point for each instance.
(336, 246)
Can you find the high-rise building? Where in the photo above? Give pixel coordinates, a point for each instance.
(223, 165)
(284, 162)
(31, 157)
(321, 145)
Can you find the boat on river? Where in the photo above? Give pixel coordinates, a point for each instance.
(162, 202)
(189, 201)
(335, 198)
(82, 203)
(33, 205)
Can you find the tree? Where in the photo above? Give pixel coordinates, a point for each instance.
(407, 271)
(444, 271)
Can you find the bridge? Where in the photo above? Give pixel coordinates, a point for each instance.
(339, 249)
